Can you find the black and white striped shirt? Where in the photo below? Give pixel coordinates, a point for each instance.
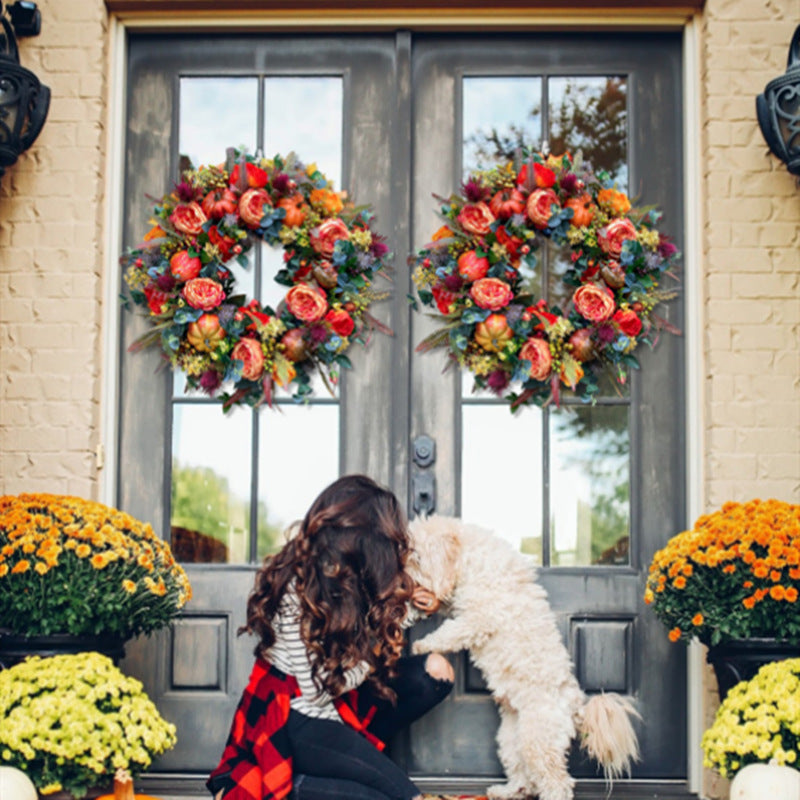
(289, 654)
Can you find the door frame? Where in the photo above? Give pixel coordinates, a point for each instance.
(125, 17)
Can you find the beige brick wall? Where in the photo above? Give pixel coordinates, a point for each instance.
(752, 261)
(51, 262)
(752, 274)
(51, 214)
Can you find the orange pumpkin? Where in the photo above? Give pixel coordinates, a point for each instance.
(494, 333)
(582, 210)
(295, 210)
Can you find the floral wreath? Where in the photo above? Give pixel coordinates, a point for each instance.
(520, 348)
(219, 338)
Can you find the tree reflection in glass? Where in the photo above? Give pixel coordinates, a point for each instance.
(590, 485)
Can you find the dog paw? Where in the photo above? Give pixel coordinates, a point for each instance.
(506, 791)
(419, 647)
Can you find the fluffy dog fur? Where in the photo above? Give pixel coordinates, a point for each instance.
(497, 610)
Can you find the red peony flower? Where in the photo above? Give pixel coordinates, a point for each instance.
(471, 266)
(594, 302)
(613, 236)
(491, 293)
(185, 267)
(223, 243)
(249, 352)
(628, 322)
(540, 205)
(340, 321)
(537, 351)
(188, 218)
(544, 176)
(445, 300)
(307, 302)
(324, 237)
(251, 206)
(256, 177)
(511, 243)
(203, 293)
(156, 299)
(476, 218)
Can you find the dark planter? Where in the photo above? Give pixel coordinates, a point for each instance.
(740, 660)
(15, 648)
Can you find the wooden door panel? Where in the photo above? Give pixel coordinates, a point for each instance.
(616, 643)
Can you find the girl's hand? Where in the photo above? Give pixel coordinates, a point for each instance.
(425, 600)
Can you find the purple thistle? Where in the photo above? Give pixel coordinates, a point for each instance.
(226, 313)
(185, 191)
(569, 183)
(378, 248)
(665, 248)
(606, 334)
(280, 182)
(165, 282)
(497, 380)
(210, 381)
(453, 282)
(319, 333)
(513, 314)
(473, 191)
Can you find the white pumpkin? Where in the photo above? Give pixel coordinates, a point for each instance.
(16, 785)
(766, 782)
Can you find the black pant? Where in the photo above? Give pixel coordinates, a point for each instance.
(333, 762)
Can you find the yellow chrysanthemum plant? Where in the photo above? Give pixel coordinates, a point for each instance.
(70, 722)
(74, 566)
(758, 722)
(735, 575)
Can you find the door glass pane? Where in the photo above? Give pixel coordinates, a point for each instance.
(501, 473)
(304, 115)
(298, 457)
(210, 508)
(204, 136)
(590, 114)
(213, 453)
(499, 115)
(589, 485)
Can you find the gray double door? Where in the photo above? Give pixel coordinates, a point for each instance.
(414, 113)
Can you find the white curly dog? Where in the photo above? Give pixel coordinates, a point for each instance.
(497, 611)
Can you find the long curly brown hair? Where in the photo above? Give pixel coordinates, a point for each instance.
(347, 562)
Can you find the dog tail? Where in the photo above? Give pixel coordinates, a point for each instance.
(607, 733)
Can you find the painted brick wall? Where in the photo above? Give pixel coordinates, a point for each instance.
(752, 274)
(51, 213)
(752, 252)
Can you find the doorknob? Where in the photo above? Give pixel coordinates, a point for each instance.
(424, 450)
(424, 491)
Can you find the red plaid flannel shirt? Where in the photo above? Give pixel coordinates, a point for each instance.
(256, 763)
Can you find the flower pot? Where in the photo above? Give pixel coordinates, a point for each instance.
(15, 648)
(740, 660)
(757, 781)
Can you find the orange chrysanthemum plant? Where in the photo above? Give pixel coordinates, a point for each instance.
(69, 565)
(735, 575)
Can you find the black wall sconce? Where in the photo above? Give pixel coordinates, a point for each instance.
(23, 99)
(778, 110)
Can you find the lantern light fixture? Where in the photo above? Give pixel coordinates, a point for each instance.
(24, 101)
(778, 110)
